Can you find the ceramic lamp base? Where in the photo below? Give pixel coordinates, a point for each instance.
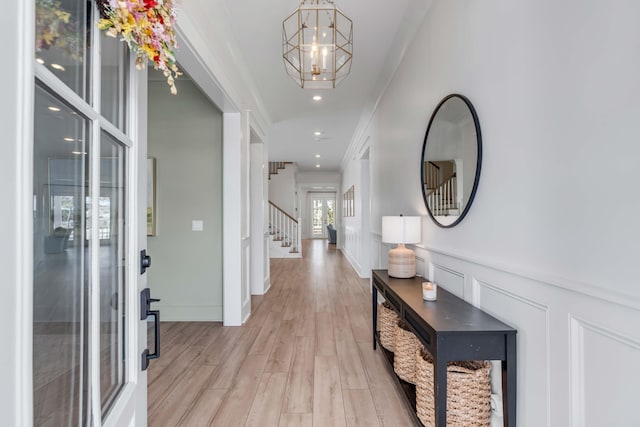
(402, 262)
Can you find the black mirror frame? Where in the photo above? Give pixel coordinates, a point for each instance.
(476, 180)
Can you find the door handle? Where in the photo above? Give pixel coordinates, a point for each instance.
(145, 312)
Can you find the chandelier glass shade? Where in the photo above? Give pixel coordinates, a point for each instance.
(317, 44)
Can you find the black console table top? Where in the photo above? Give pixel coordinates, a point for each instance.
(451, 329)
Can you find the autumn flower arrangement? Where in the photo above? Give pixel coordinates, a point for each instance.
(147, 26)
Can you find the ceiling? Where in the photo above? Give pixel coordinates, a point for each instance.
(382, 29)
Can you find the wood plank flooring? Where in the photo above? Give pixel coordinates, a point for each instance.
(303, 358)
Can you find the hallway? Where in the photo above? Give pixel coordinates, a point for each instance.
(303, 358)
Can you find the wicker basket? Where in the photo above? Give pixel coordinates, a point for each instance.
(405, 344)
(388, 321)
(468, 392)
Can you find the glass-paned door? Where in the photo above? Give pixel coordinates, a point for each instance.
(85, 350)
(111, 232)
(323, 210)
(61, 262)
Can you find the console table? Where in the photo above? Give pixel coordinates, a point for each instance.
(451, 330)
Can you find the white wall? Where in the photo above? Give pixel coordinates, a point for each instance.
(185, 137)
(550, 243)
(282, 189)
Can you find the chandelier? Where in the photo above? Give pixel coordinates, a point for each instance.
(317, 44)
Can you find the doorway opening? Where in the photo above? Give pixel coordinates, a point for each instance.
(323, 213)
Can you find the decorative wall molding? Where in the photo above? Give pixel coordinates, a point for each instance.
(583, 334)
(570, 285)
(480, 286)
(561, 358)
(451, 279)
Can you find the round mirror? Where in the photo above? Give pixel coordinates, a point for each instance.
(451, 158)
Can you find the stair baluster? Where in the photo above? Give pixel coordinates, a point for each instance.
(284, 228)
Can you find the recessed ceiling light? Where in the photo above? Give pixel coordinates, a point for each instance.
(317, 156)
(317, 98)
(78, 152)
(317, 133)
(52, 108)
(57, 67)
(317, 166)
(40, 60)
(68, 139)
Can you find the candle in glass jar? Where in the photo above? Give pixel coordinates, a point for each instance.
(429, 291)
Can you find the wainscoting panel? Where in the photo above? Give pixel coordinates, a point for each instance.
(577, 353)
(351, 248)
(603, 364)
(531, 319)
(450, 279)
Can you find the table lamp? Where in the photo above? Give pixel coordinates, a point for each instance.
(401, 230)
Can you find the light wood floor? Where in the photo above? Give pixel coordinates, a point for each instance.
(303, 358)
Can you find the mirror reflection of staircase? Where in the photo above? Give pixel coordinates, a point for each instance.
(441, 188)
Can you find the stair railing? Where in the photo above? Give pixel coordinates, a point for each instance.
(432, 175)
(274, 167)
(285, 228)
(443, 199)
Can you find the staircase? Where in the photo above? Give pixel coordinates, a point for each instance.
(443, 199)
(285, 232)
(441, 190)
(274, 167)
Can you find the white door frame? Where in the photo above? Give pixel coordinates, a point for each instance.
(16, 185)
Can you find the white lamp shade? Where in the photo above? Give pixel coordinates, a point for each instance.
(401, 229)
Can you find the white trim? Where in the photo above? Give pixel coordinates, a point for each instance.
(558, 282)
(93, 311)
(232, 219)
(64, 92)
(24, 81)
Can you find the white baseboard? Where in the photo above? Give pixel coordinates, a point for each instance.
(354, 264)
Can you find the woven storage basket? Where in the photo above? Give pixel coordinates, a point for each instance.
(468, 392)
(388, 321)
(405, 344)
